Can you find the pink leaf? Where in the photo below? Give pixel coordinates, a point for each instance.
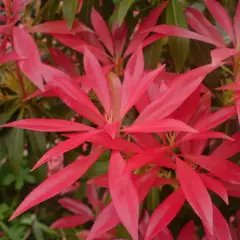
(163, 125)
(25, 46)
(145, 140)
(76, 206)
(56, 183)
(119, 35)
(132, 93)
(184, 85)
(97, 78)
(215, 186)
(49, 125)
(220, 167)
(195, 192)
(9, 57)
(188, 232)
(220, 54)
(199, 23)
(124, 195)
(60, 27)
(100, 181)
(92, 196)
(221, 16)
(102, 30)
(164, 214)
(70, 221)
(64, 146)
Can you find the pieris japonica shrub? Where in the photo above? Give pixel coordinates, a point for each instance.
(146, 94)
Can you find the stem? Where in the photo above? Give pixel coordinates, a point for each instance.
(21, 83)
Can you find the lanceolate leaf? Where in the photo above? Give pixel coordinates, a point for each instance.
(179, 47)
(69, 11)
(124, 195)
(195, 192)
(215, 186)
(25, 46)
(164, 214)
(70, 221)
(188, 232)
(184, 85)
(49, 125)
(163, 125)
(57, 182)
(123, 10)
(102, 30)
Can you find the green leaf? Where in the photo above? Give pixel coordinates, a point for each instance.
(152, 54)
(15, 147)
(7, 114)
(153, 199)
(179, 47)
(8, 231)
(69, 11)
(123, 8)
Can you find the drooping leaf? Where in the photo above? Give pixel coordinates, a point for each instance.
(197, 197)
(57, 182)
(164, 214)
(49, 125)
(69, 11)
(179, 47)
(70, 221)
(124, 194)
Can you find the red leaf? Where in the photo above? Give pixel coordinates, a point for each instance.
(188, 232)
(195, 192)
(49, 125)
(228, 148)
(100, 181)
(215, 186)
(63, 62)
(64, 146)
(25, 46)
(70, 221)
(215, 119)
(221, 16)
(77, 43)
(60, 27)
(9, 57)
(221, 168)
(200, 24)
(184, 85)
(124, 194)
(76, 206)
(102, 30)
(56, 183)
(104, 222)
(139, 35)
(132, 93)
(164, 214)
(97, 78)
(92, 196)
(71, 94)
(163, 125)
(221, 229)
(171, 30)
(220, 54)
(119, 35)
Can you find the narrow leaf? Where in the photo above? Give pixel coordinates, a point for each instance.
(197, 197)
(188, 232)
(56, 183)
(123, 8)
